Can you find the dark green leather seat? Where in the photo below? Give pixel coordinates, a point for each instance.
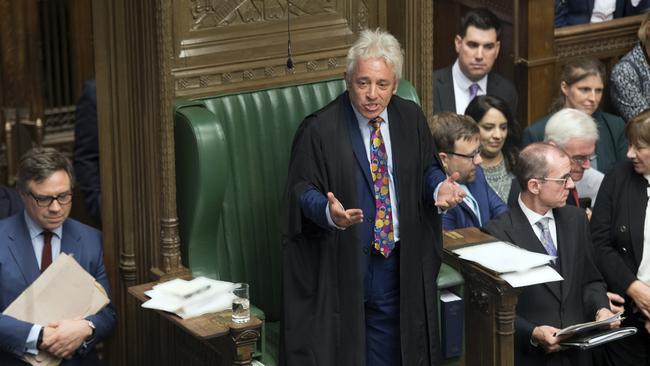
(232, 154)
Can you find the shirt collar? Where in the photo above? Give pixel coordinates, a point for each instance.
(463, 82)
(532, 216)
(35, 229)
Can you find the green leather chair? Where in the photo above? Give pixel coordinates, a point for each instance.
(232, 154)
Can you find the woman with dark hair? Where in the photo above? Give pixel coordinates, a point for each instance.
(499, 141)
(620, 227)
(581, 87)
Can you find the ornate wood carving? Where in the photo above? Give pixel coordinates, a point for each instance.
(221, 46)
(600, 40)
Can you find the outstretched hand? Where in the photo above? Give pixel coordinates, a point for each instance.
(450, 194)
(342, 217)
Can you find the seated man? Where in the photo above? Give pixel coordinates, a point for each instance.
(458, 140)
(29, 242)
(541, 222)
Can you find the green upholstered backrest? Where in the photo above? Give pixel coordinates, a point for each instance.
(232, 155)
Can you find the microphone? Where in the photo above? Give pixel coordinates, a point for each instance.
(290, 64)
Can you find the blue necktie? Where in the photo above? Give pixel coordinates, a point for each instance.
(546, 238)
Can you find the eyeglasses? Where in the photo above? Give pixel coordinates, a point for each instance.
(46, 201)
(563, 180)
(472, 156)
(581, 159)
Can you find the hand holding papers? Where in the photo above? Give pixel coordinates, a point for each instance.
(591, 334)
(517, 266)
(64, 291)
(586, 327)
(189, 299)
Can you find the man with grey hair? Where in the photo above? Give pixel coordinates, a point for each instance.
(542, 222)
(362, 234)
(576, 133)
(29, 242)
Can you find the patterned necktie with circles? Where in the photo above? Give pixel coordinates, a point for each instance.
(384, 240)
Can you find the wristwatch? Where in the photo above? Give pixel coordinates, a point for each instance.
(92, 326)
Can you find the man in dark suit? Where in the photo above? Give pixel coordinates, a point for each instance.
(362, 244)
(477, 47)
(10, 202)
(29, 242)
(572, 12)
(457, 138)
(86, 151)
(542, 223)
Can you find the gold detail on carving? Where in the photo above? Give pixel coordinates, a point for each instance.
(182, 83)
(332, 63)
(269, 71)
(226, 77)
(208, 14)
(312, 65)
(248, 75)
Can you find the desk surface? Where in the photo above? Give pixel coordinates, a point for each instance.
(206, 326)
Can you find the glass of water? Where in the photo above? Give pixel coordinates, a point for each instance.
(241, 309)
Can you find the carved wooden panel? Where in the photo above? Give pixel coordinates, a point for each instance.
(228, 45)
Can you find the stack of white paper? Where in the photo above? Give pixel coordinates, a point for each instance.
(189, 299)
(517, 266)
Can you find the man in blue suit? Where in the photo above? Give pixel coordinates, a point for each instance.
(362, 237)
(457, 138)
(29, 242)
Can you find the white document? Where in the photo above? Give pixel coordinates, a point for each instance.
(502, 257)
(532, 276)
(189, 299)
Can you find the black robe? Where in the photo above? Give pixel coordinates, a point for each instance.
(323, 319)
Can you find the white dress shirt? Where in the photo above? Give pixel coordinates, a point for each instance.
(533, 217)
(461, 88)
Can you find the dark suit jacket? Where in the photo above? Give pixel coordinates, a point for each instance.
(610, 148)
(617, 226)
(489, 204)
(559, 304)
(443, 90)
(324, 268)
(10, 202)
(19, 268)
(571, 12)
(86, 151)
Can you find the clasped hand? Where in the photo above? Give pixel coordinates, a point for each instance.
(62, 338)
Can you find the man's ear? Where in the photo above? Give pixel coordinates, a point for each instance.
(534, 186)
(497, 47)
(458, 42)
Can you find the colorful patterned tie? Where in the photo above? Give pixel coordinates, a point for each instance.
(384, 240)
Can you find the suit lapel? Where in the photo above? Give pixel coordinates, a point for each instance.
(70, 240)
(20, 245)
(463, 206)
(446, 91)
(358, 146)
(565, 227)
(522, 234)
(636, 212)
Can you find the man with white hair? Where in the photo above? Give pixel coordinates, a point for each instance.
(576, 133)
(362, 236)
